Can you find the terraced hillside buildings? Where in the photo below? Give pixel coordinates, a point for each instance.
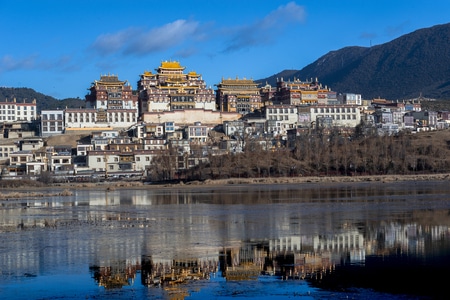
(172, 96)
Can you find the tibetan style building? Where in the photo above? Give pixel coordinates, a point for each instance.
(170, 89)
(111, 103)
(110, 93)
(299, 92)
(238, 95)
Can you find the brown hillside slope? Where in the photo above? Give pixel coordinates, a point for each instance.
(64, 139)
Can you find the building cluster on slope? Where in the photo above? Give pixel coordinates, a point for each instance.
(175, 110)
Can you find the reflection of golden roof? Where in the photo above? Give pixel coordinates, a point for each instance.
(171, 65)
(114, 282)
(240, 273)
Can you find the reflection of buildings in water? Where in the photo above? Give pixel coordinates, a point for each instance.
(292, 256)
(169, 273)
(349, 243)
(407, 238)
(348, 240)
(286, 256)
(243, 263)
(262, 258)
(140, 197)
(116, 275)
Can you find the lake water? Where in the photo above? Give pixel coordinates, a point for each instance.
(306, 241)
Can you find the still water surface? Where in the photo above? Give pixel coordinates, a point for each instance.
(308, 241)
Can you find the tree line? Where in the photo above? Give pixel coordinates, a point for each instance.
(314, 154)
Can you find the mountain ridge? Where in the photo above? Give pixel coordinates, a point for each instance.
(411, 65)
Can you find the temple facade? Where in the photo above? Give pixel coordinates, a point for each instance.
(110, 93)
(299, 92)
(238, 95)
(171, 89)
(110, 103)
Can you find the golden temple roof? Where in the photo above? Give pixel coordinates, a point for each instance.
(238, 81)
(171, 65)
(109, 80)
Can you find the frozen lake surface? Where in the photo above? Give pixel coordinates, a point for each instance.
(305, 241)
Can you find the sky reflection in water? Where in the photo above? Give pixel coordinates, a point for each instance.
(272, 242)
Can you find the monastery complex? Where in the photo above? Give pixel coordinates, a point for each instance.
(173, 110)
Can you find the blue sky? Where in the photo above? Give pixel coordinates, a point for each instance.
(60, 47)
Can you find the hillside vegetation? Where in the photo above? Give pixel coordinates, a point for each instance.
(42, 101)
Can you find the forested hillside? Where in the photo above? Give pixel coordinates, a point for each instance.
(42, 101)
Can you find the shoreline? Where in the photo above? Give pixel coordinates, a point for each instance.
(38, 192)
(250, 181)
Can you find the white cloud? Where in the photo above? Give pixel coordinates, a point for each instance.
(284, 15)
(9, 63)
(264, 30)
(140, 42)
(35, 62)
(113, 42)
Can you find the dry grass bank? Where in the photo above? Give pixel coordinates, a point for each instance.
(23, 195)
(325, 179)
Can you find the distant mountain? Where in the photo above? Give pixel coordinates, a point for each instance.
(42, 101)
(414, 64)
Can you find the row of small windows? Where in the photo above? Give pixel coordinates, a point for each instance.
(52, 129)
(197, 131)
(76, 120)
(280, 118)
(92, 114)
(335, 110)
(182, 106)
(52, 117)
(114, 95)
(280, 110)
(52, 123)
(116, 159)
(16, 107)
(343, 117)
(10, 118)
(8, 112)
(115, 102)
